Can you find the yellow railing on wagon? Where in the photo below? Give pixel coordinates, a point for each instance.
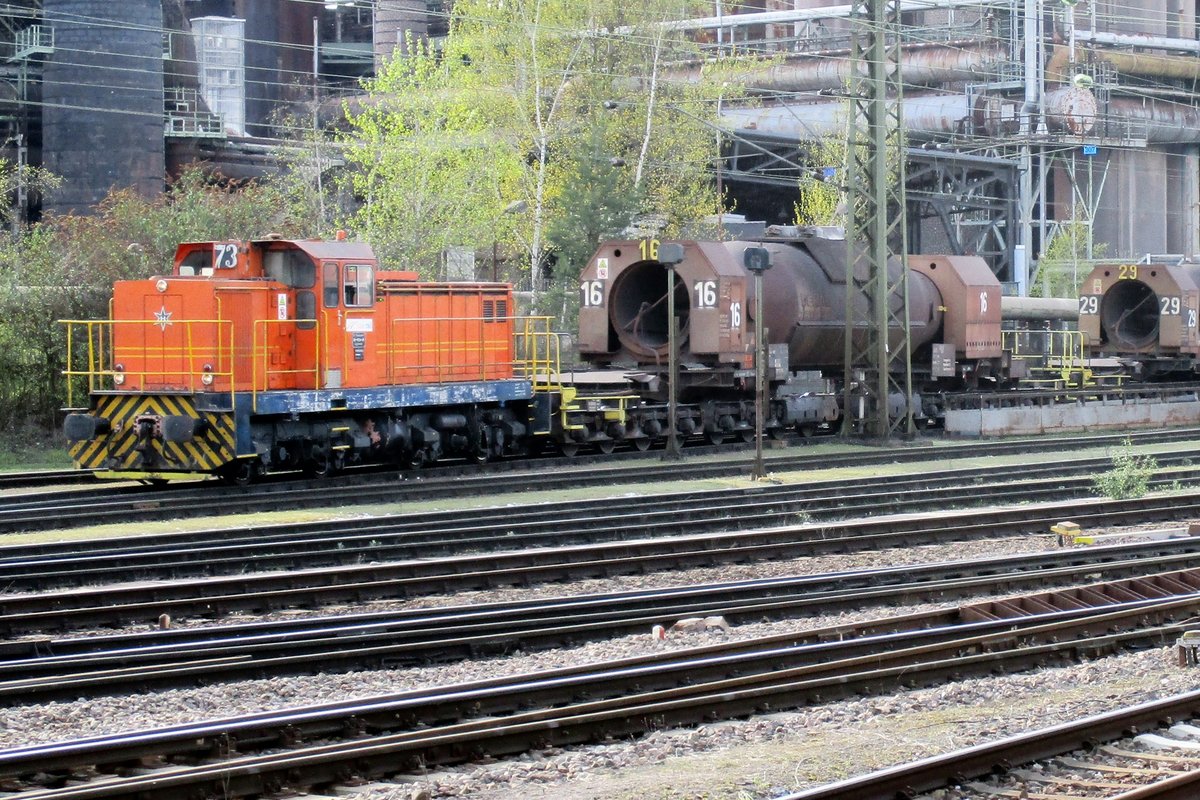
(534, 354)
(443, 349)
(1058, 357)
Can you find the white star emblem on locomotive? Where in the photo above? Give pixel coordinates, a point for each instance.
(162, 318)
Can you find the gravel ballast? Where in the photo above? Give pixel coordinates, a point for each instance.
(748, 760)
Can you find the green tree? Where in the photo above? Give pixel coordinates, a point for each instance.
(822, 200)
(499, 120)
(600, 204)
(1065, 259)
(64, 268)
(427, 164)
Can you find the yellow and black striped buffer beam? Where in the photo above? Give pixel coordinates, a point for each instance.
(125, 447)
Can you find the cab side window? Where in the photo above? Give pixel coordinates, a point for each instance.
(358, 286)
(329, 284)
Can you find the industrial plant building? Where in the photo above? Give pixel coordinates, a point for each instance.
(1019, 115)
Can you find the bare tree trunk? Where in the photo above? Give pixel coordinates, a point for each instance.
(641, 164)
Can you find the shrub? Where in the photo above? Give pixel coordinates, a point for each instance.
(1129, 477)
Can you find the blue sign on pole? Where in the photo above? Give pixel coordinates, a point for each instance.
(1090, 149)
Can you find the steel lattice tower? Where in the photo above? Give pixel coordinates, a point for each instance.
(878, 349)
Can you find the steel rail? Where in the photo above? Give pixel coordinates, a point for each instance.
(474, 720)
(39, 478)
(114, 605)
(39, 670)
(207, 499)
(934, 773)
(211, 553)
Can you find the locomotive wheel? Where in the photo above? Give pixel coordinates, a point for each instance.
(606, 446)
(316, 469)
(569, 450)
(482, 452)
(642, 443)
(243, 472)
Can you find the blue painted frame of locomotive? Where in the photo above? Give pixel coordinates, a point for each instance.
(246, 405)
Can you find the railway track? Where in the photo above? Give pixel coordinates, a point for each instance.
(1076, 759)
(36, 670)
(316, 747)
(36, 479)
(131, 504)
(212, 597)
(47, 566)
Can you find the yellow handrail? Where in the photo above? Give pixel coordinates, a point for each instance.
(536, 353)
(1061, 353)
(186, 359)
(257, 386)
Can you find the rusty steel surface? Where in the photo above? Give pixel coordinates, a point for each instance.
(1146, 309)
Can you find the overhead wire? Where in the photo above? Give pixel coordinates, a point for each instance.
(290, 79)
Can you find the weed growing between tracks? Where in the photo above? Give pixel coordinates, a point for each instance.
(1130, 476)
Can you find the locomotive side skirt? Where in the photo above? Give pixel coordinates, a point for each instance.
(421, 396)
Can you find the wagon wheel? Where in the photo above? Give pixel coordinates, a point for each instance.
(747, 435)
(642, 443)
(569, 449)
(714, 437)
(777, 433)
(606, 446)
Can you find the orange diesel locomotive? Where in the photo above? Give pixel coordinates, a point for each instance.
(300, 354)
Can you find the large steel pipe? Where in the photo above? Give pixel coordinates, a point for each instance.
(926, 65)
(1068, 110)
(804, 303)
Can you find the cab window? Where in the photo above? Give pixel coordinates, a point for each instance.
(358, 287)
(292, 268)
(329, 284)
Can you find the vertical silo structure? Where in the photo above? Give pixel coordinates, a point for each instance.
(393, 20)
(103, 100)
